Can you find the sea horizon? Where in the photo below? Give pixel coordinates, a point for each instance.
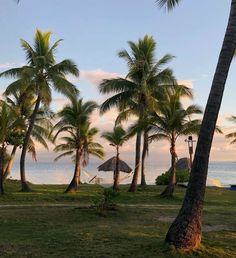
(220, 173)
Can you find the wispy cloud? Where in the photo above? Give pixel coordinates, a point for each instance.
(187, 83)
(95, 77)
(10, 65)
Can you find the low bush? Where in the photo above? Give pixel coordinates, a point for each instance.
(181, 176)
(105, 202)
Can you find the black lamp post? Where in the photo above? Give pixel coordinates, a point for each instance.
(190, 142)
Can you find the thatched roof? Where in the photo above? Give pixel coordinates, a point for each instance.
(110, 165)
(183, 163)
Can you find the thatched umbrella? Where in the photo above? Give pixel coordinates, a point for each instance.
(110, 165)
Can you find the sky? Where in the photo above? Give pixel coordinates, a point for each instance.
(94, 31)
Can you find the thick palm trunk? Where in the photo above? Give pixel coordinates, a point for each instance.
(117, 171)
(1, 170)
(134, 183)
(185, 231)
(24, 185)
(73, 186)
(169, 190)
(144, 154)
(10, 162)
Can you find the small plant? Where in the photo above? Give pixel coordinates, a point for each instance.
(105, 202)
(182, 176)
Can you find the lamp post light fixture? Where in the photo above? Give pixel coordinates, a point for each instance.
(190, 142)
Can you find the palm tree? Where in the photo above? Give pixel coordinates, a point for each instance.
(9, 124)
(39, 76)
(185, 232)
(23, 103)
(116, 138)
(74, 120)
(137, 90)
(171, 121)
(79, 147)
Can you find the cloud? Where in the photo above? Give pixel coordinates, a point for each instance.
(59, 103)
(95, 77)
(187, 83)
(6, 65)
(10, 65)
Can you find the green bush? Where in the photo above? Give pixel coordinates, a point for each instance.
(105, 202)
(181, 176)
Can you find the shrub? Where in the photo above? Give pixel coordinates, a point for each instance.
(181, 176)
(105, 202)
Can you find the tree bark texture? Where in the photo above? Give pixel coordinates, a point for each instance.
(24, 185)
(169, 190)
(10, 162)
(117, 171)
(73, 186)
(144, 154)
(186, 231)
(134, 183)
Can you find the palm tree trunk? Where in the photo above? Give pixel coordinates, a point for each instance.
(1, 169)
(73, 186)
(134, 183)
(169, 190)
(185, 232)
(10, 162)
(117, 171)
(144, 154)
(24, 185)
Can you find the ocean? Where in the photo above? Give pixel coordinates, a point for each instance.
(219, 173)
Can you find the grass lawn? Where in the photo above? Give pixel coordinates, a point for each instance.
(48, 223)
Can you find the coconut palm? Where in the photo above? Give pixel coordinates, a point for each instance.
(137, 90)
(9, 124)
(116, 138)
(143, 126)
(79, 146)
(23, 103)
(170, 122)
(185, 231)
(74, 121)
(40, 76)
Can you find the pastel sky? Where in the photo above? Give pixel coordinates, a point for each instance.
(93, 33)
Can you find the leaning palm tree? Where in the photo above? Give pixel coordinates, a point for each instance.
(9, 125)
(23, 103)
(116, 138)
(185, 232)
(138, 89)
(170, 122)
(73, 120)
(39, 76)
(79, 146)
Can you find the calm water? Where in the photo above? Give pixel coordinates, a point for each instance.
(61, 173)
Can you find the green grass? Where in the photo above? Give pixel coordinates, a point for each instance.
(48, 223)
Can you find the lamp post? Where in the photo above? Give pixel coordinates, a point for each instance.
(190, 142)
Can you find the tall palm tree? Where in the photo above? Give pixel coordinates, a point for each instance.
(74, 120)
(116, 138)
(170, 122)
(185, 232)
(144, 126)
(39, 76)
(145, 75)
